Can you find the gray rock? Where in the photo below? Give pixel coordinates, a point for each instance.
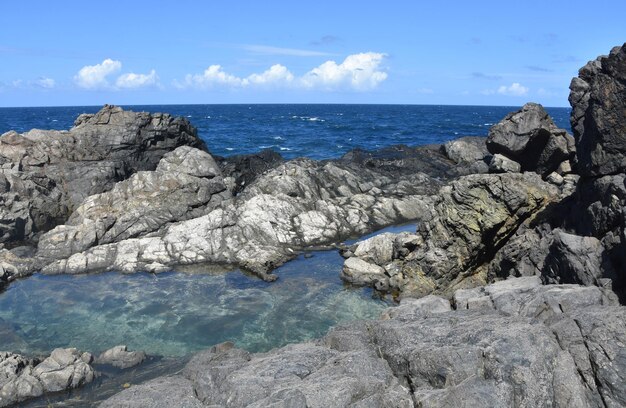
(163, 392)
(598, 100)
(470, 220)
(120, 357)
(530, 137)
(536, 345)
(47, 173)
(22, 378)
(502, 164)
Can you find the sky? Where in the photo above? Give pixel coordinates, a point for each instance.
(389, 52)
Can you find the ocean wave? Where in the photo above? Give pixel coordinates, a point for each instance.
(284, 149)
(230, 149)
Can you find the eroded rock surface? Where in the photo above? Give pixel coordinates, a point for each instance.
(45, 174)
(514, 343)
(22, 378)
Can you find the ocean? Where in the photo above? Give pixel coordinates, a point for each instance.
(315, 131)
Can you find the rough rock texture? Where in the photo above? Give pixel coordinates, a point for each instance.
(598, 99)
(469, 221)
(239, 171)
(301, 203)
(45, 174)
(514, 343)
(470, 151)
(120, 357)
(502, 164)
(530, 138)
(22, 378)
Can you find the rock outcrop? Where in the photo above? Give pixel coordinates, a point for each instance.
(598, 99)
(45, 174)
(514, 343)
(530, 138)
(469, 221)
(22, 378)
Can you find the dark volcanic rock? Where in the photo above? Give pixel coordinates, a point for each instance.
(530, 137)
(47, 173)
(598, 99)
(515, 343)
(244, 169)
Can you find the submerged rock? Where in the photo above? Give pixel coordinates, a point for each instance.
(45, 174)
(525, 345)
(22, 378)
(120, 357)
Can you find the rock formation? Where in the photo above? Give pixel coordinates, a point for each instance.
(45, 174)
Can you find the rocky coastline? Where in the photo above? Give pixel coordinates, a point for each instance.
(512, 285)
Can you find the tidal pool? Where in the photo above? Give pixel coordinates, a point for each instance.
(176, 313)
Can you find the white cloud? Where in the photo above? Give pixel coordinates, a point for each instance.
(358, 71)
(277, 74)
(212, 76)
(516, 89)
(292, 52)
(46, 83)
(132, 80)
(95, 76)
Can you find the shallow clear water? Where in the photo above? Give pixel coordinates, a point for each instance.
(316, 131)
(174, 313)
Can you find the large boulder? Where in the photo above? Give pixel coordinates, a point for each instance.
(45, 174)
(514, 343)
(530, 137)
(598, 99)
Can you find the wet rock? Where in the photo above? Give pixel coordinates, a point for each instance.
(557, 343)
(598, 99)
(530, 137)
(502, 164)
(47, 173)
(22, 378)
(120, 357)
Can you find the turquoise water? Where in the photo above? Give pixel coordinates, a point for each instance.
(176, 313)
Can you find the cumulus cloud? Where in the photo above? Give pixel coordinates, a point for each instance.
(277, 74)
(95, 76)
(132, 80)
(358, 72)
(516, 89)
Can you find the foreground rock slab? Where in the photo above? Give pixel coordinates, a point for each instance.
(515, 343)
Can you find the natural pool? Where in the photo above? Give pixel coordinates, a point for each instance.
(176, 313)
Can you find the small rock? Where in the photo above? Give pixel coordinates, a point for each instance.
(555, 178)
(120, 357)
(502, 164)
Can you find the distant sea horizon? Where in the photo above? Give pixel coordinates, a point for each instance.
(318, 131)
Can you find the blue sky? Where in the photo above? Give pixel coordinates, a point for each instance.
(409, 52)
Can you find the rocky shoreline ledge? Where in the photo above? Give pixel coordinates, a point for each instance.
(517, 263)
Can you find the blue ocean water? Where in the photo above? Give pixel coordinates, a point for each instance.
(315, 131)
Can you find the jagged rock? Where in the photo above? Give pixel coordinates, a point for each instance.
(575, 259)
(530, 137)
(22, 378)
(186, 184)
(298, 204)
(244, 169)
(502, 164)
(47, 173)
(598, 99)
(470, 151)
(470, 220)
(556, 344)
(120, 357)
